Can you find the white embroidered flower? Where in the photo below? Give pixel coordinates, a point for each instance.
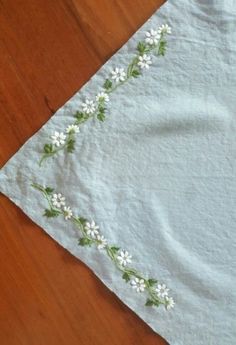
(138, 284)
(88, 106)
(102, 242)
(144, 61)
(58, 200)
(58, 139)
(170, 303)
(162, 290)
(124, 257)
(67, 212)
(102, 97)
(72, 129)
(164, 29)
(118, 74)
(152, 37)
(92, 229)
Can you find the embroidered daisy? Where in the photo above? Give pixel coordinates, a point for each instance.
(152, 37)
(67, 212)
(72, 129)
(92, 229)
(118, 74)
(88, 106)
(138, 284)
(102, 242)
(169, 303)
(124, 258)
(164, 29)
(58, 139)
(102, 97)
(58, 200)
(162, 290)
(144, 61)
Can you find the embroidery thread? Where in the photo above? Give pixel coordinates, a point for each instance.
(154, 42)
(89, 234)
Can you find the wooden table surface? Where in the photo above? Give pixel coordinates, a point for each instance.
(49, 49)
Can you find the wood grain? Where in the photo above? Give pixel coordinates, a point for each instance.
(49, 49)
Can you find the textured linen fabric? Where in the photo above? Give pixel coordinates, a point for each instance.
(158, 175)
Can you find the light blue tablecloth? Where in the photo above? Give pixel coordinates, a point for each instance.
(158, 175)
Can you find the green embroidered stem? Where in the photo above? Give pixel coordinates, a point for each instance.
(89, 235)
(156, 43)
(50, 149)
(52, 153)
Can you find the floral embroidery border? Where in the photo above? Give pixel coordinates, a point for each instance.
(89, 234)
(154, 42)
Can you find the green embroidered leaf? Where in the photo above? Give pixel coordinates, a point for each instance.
(162, 48)
(152, 282)
(149, 302)
(49, 190)
(132, 66)
(80, 117)
(82, 220)
(84, 241)
(101, 108)
(101, 117)
(114, 249)
(142, 47)
(108, 84)
(156, 303)
(135, 73)
(70, 146)
(126, 277)
(48, 148)
(50, 213)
